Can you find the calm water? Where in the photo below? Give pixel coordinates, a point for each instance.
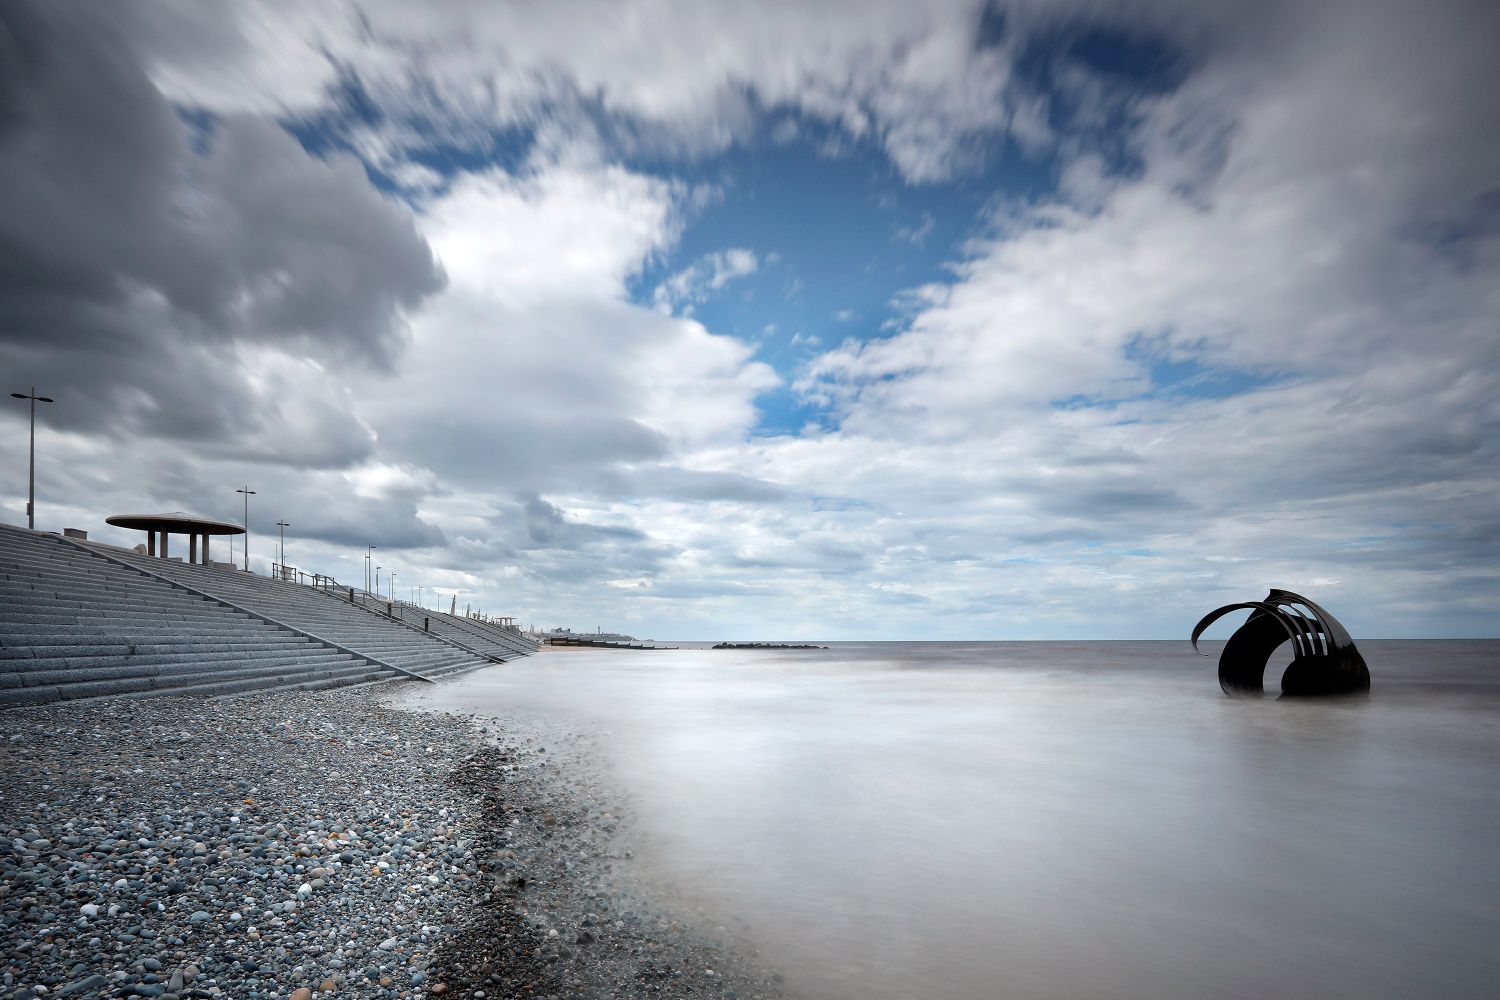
(967, 820)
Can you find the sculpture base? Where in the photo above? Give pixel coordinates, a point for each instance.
(1318, 676)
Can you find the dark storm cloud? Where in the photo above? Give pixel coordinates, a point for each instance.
(546, 543)
(146, 281)
(546, 527)
(546, 452)
(530, 538)
(394, 523)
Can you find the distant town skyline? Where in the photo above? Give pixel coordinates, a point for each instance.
(746, 320)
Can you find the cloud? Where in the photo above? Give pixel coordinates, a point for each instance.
(917, 235)
(557, 230)
(1246, 338)
(165, 289)
(692, 285)
(1285, 247)
(686, 77)
(235, 309)
(532, 373)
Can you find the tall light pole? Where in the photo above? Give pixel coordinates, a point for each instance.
(377, 581)
(283, 525)
(248, 494)
(393, 585)
(31, 465)
(369, 561)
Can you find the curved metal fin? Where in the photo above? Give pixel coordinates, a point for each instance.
(1309, 629)
(1338, 636)
(1218, 613)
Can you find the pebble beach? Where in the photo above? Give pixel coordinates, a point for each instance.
(300, 845)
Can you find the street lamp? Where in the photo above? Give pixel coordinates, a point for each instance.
(393, 585)
(369, 561)
(248, 494)
(31, 465)
(283, 525)
(377, 581)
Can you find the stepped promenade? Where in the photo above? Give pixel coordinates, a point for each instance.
(301, 832)
(81, 619)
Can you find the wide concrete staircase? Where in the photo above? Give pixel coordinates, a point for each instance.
(490, 639)
(326, 614)
(504, 636)
(76, 625)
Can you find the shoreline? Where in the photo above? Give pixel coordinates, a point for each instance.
(325, 844)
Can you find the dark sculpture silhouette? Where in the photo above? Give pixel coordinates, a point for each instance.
(1326, 660)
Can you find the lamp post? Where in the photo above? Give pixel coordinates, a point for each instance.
(283, 525)
(393, 584)
(248, 494)
(31, 464)
(419, 597)
(369, 561)
(377, 581)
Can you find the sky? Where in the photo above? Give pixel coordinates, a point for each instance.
(888, 320)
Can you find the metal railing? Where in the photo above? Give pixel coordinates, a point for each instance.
(383, 605)
(290, 574)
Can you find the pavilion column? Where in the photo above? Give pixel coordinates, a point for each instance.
(164, 536)
(192, 546)
(151, 543)
(206, 561)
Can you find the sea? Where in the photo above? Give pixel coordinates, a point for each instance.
(966, 820)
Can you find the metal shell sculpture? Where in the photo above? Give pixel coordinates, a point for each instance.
(1326, 660)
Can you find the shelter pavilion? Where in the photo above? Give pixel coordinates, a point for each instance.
(176, 523)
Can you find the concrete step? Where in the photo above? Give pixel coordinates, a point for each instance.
(107, 612)
(212, 687)
(114, 578)
(134, 585)
(425, 664)
(323, 684)
(29, 634)
(174, 673)
(106, 574)
(493, 634)
(45, 601)
(455, 671)
(410, 648)
(390, 677)
(38, 672)
(20, 657)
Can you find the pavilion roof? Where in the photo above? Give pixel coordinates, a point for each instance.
(176, 522)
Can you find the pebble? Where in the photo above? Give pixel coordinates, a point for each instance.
(239, 849)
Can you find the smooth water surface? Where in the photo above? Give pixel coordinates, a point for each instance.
(967, 820)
